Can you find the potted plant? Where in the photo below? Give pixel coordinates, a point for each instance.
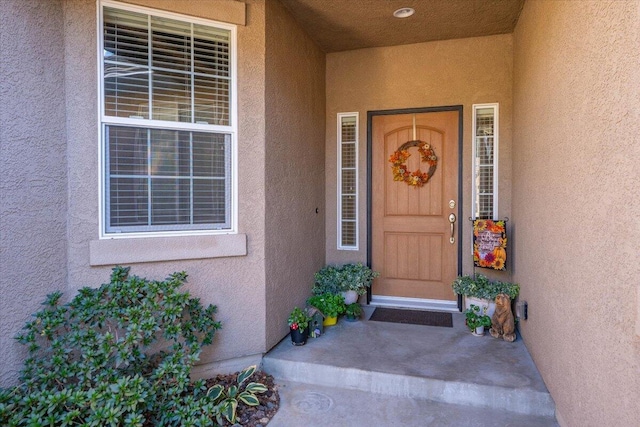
(299, 326)
(353, 312)
(327, 281)
(475, 321)
(356, 278)
(482, 292)
(330, 305)
(350, 280)
(511, 289)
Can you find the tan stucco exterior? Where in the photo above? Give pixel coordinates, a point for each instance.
(232, 283)
(294, 172)
(33, 168)
(454, 72)
(575, 203)
(50, 108)
(567, 84)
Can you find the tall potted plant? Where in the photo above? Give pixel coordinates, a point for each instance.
(356, 278)
(350, 280)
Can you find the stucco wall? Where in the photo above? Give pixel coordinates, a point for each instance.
(454, 72)
(575, 203)
(294, 175)
(47, 232)
(234, 284)
(33, 169)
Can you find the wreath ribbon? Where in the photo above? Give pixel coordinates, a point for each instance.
(399, 168)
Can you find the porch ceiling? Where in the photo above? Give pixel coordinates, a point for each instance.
(338, 25)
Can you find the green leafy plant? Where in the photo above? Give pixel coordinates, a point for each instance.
(475, 318)
(299, 319)
(329, 304)
(327, 281)
(227, 400)
(118, 355)
(348, 277)
(481, 287)
(353, 311)
(357, 277)
(508, 288)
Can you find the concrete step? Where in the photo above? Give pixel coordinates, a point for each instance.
(318, 406)
(521, 401)
(445, 365)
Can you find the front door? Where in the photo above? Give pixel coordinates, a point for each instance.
(414, 239)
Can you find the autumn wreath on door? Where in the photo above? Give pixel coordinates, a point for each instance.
(416, 178)
(489, 244)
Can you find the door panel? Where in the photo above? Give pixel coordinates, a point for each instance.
(410, 225)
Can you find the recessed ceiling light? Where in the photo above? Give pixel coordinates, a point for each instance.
(404, 12)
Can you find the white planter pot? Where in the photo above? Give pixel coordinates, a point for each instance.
(490, 305)
(350, 297)
(479, 331)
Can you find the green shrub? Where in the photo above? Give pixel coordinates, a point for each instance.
(327, 281)
(119, 355)
(348, 277)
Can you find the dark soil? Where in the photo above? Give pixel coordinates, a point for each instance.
(253, 416)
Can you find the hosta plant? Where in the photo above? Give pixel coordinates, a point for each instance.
(229, 398)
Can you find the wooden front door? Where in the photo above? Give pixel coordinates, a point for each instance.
(411, 229)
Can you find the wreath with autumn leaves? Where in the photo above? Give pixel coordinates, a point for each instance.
(399, 168)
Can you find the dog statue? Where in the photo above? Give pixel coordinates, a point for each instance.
(502, 322)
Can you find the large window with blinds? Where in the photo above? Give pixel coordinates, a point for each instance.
(168, 124)
(348, 181)
(485, 161)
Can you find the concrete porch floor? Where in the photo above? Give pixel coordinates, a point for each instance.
(386, 374)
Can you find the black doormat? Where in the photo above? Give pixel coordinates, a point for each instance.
(413, 317)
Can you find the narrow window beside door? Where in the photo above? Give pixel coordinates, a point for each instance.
(348, 181)
(485, 161)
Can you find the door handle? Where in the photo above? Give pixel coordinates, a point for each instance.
(452, 221)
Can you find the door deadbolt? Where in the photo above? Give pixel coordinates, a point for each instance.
(452, 204)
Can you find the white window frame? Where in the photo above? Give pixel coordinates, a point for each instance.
(231, 129)
(474, 141)
(340, 168)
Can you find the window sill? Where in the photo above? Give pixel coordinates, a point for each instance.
(131, 251)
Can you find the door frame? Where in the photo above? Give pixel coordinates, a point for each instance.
(370, 116)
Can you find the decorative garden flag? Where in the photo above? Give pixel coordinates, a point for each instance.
(489, 244)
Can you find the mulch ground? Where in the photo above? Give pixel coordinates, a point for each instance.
(253, 416)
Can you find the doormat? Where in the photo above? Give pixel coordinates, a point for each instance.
(413, 317)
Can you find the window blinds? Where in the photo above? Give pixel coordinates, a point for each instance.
(150, 60)
(171, 175)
